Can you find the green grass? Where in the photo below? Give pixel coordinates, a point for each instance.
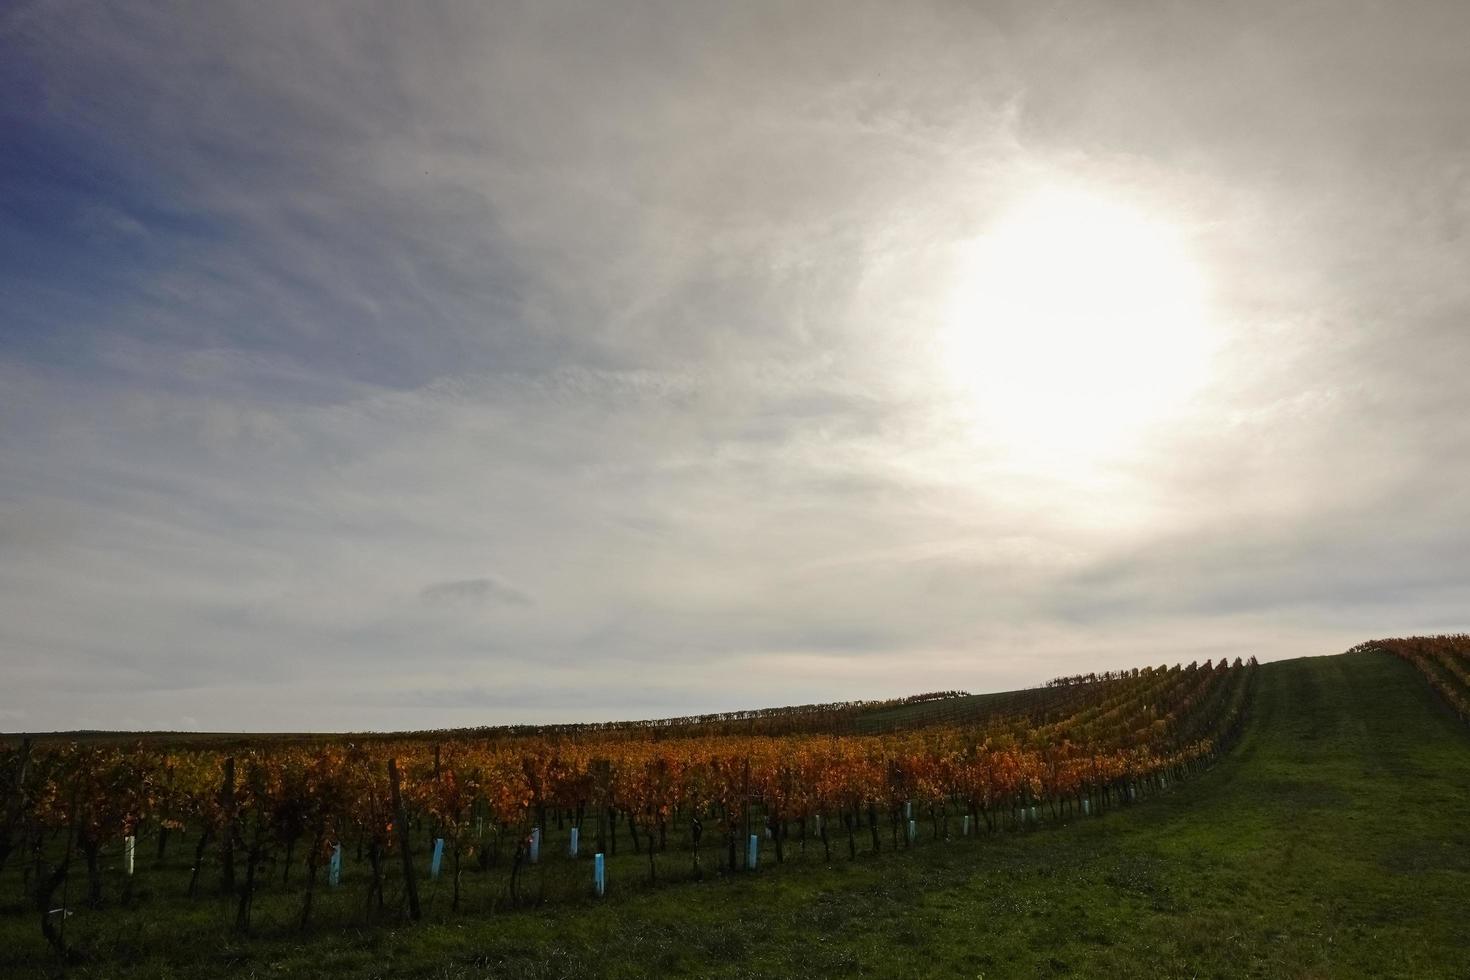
(1333, 842)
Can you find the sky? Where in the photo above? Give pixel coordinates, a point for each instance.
(382, 366)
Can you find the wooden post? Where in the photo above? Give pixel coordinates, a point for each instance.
(15, 803)
(227, 832)
(400, 822)
(745, 807)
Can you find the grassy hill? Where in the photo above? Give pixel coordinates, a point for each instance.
(1333, 842)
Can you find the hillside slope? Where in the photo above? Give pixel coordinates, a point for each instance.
(1333, 842)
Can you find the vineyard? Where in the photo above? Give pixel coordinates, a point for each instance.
(498, 818)
(1443, 660)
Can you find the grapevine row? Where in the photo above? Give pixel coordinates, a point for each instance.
(1078, 748)
(1443, 660)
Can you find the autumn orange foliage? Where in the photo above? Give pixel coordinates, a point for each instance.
(1097, 739)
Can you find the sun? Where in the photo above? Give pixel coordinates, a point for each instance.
(1076, 324)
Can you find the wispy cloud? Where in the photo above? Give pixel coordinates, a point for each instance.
(351, 356)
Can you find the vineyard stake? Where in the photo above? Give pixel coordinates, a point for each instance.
(400, 821)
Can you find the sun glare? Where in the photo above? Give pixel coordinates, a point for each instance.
(1075, 325)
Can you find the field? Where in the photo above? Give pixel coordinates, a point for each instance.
(1332, 841)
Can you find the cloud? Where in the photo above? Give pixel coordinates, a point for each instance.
(412, 368)
(475, 590)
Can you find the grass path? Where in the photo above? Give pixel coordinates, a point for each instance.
(1334, 842)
